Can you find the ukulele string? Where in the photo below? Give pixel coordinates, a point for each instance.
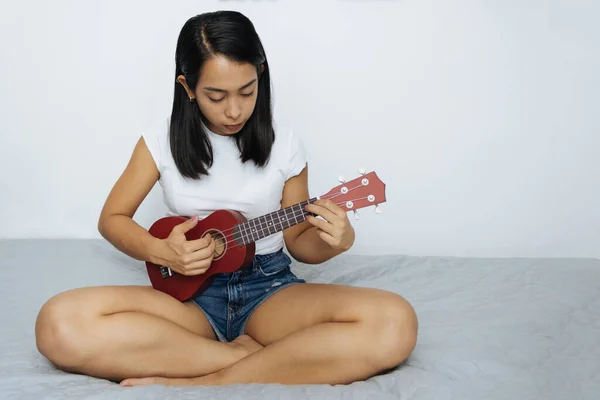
(260, 224)
(250, 234)
(321, 197)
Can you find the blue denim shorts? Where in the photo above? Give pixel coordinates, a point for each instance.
(232, 297)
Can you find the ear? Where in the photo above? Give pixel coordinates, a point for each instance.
(262, 68)
(181, 79)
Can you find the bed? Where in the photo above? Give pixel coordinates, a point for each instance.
(489, 328)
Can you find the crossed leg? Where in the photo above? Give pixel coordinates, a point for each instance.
(318, 333)
(116, 332)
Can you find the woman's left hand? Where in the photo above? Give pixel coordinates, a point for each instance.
(336, 230)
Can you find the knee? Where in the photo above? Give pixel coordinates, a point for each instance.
(394, 327)
(58, 331)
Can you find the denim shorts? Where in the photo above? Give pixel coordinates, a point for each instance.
(232, 297)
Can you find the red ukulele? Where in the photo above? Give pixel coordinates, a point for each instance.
(234, 235)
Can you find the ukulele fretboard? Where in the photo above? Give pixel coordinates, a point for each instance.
(268, 224)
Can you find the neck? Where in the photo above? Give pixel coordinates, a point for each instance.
(268, 224)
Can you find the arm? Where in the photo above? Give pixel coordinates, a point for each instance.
(116, 222)
(315, 241)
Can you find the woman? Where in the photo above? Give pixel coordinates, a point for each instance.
(219, 149)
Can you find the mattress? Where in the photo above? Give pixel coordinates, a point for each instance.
(489, 328)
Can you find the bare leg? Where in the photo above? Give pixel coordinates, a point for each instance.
(123, 331)
(319, 334)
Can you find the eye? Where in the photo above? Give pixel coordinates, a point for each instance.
(215, 100)
(248, 94)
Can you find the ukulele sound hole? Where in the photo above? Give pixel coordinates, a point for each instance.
(220, 243)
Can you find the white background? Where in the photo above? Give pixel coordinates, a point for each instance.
(480, 116)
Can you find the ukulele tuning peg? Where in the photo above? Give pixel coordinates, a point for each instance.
(356, 215)
(362, 171)
(378, 209)
(341, 179)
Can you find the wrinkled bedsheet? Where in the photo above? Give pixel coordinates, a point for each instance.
(489, 328)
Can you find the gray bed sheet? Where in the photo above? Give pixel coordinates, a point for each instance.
(489, 328)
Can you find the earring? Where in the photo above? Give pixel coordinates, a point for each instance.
(192, 99)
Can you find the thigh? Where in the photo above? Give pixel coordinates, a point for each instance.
(92, 302)
(300, 306)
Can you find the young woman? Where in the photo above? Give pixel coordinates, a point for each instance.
(219, 149)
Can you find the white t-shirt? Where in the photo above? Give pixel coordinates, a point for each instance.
(251, 190)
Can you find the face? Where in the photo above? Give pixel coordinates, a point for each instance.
(226, 94)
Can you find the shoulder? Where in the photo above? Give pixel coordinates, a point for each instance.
(156, 138)
(157, 129)
(287, 139)
(289, 150)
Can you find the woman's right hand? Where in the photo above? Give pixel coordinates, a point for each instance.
(188, 257)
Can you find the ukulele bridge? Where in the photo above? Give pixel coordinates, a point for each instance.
(166, 272)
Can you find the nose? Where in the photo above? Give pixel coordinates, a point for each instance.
(233, 110)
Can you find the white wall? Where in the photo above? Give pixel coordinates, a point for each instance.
(480, 116)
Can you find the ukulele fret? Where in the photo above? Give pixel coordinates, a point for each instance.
(273, 223)
(283, 221)
(255, 235)
(247, 238)
(293, 215)
(264, 220)
(276, 221)
(261, 228)
(238, 235)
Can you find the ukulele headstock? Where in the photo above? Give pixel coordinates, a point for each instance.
(365, 191)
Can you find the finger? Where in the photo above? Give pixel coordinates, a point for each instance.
(327, 238)
(187, 225)
(202, 264)
(197, 271)
(198, 244)
(199, 255)
(322, 211)
(199, 267)
(204, 253)
(320, 224)
(332, 206)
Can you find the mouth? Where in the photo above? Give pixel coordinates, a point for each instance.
(233, 128)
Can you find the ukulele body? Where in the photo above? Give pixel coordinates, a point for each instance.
(229, 254)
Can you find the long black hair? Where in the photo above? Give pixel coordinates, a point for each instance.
(232, 35)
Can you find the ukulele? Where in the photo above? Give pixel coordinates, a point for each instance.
(235, 236)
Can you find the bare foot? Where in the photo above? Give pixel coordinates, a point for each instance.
(213, 379)
(247, 344)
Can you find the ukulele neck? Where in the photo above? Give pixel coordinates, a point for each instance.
(268, 224)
